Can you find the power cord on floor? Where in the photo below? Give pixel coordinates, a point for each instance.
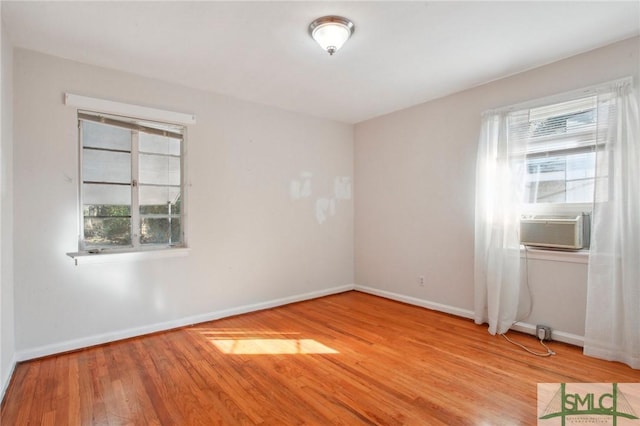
(548, 353)
(541, 354)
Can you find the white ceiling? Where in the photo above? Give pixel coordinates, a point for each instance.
(401, 54)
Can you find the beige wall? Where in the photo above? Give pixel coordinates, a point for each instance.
(252, 244)
(415, 183)
(7, 329)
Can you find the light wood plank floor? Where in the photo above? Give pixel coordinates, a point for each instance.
(345, 359)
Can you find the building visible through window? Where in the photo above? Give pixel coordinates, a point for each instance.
(561, 152)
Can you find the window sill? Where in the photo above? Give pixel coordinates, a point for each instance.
(580, 256)
(84, 258)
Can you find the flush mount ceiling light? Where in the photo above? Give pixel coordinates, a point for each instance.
(331, 32)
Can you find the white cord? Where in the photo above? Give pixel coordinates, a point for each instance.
(530, 294)
(548, 353)
(526, 281)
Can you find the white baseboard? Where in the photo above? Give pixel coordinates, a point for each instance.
(559, 336)
(7, 379)
(99, 339)
(85, 342)
(465, 313)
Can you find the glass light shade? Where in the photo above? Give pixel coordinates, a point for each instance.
(331, 32)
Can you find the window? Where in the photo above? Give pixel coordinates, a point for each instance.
(561, 144)
(132, 184)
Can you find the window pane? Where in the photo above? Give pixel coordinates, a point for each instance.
(154, 231)
(160, 231)
(552, 191)
(580, 191)
(107, 225)
(581, 166)
(561, 179)
(158, 144)
(106, 166)
(562, 118)
(98, 135)
(564, 124)
(159, 169)
(106, 194)
(176, 234)
(158, 200)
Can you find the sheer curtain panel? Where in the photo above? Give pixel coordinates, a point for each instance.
(612, 329)
(500, 172)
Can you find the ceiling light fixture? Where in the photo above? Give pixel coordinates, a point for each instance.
(331, 32)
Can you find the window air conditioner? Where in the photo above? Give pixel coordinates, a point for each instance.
(559, 232)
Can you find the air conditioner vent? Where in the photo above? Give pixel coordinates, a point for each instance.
(559, 232)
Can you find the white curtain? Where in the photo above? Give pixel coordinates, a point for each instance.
(612, 329)
(499, 190)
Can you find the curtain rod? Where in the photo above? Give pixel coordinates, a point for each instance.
(564, 96)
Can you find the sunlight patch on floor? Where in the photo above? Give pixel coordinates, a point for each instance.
(241, 334)
(271, 346)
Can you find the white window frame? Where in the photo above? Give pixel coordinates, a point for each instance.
(135, 127)
(566, 207)
(132, 112)
(559, 208)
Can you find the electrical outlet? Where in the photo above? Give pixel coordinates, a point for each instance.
(543, 332)
(421, 280)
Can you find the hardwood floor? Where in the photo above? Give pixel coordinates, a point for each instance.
(345, 359)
